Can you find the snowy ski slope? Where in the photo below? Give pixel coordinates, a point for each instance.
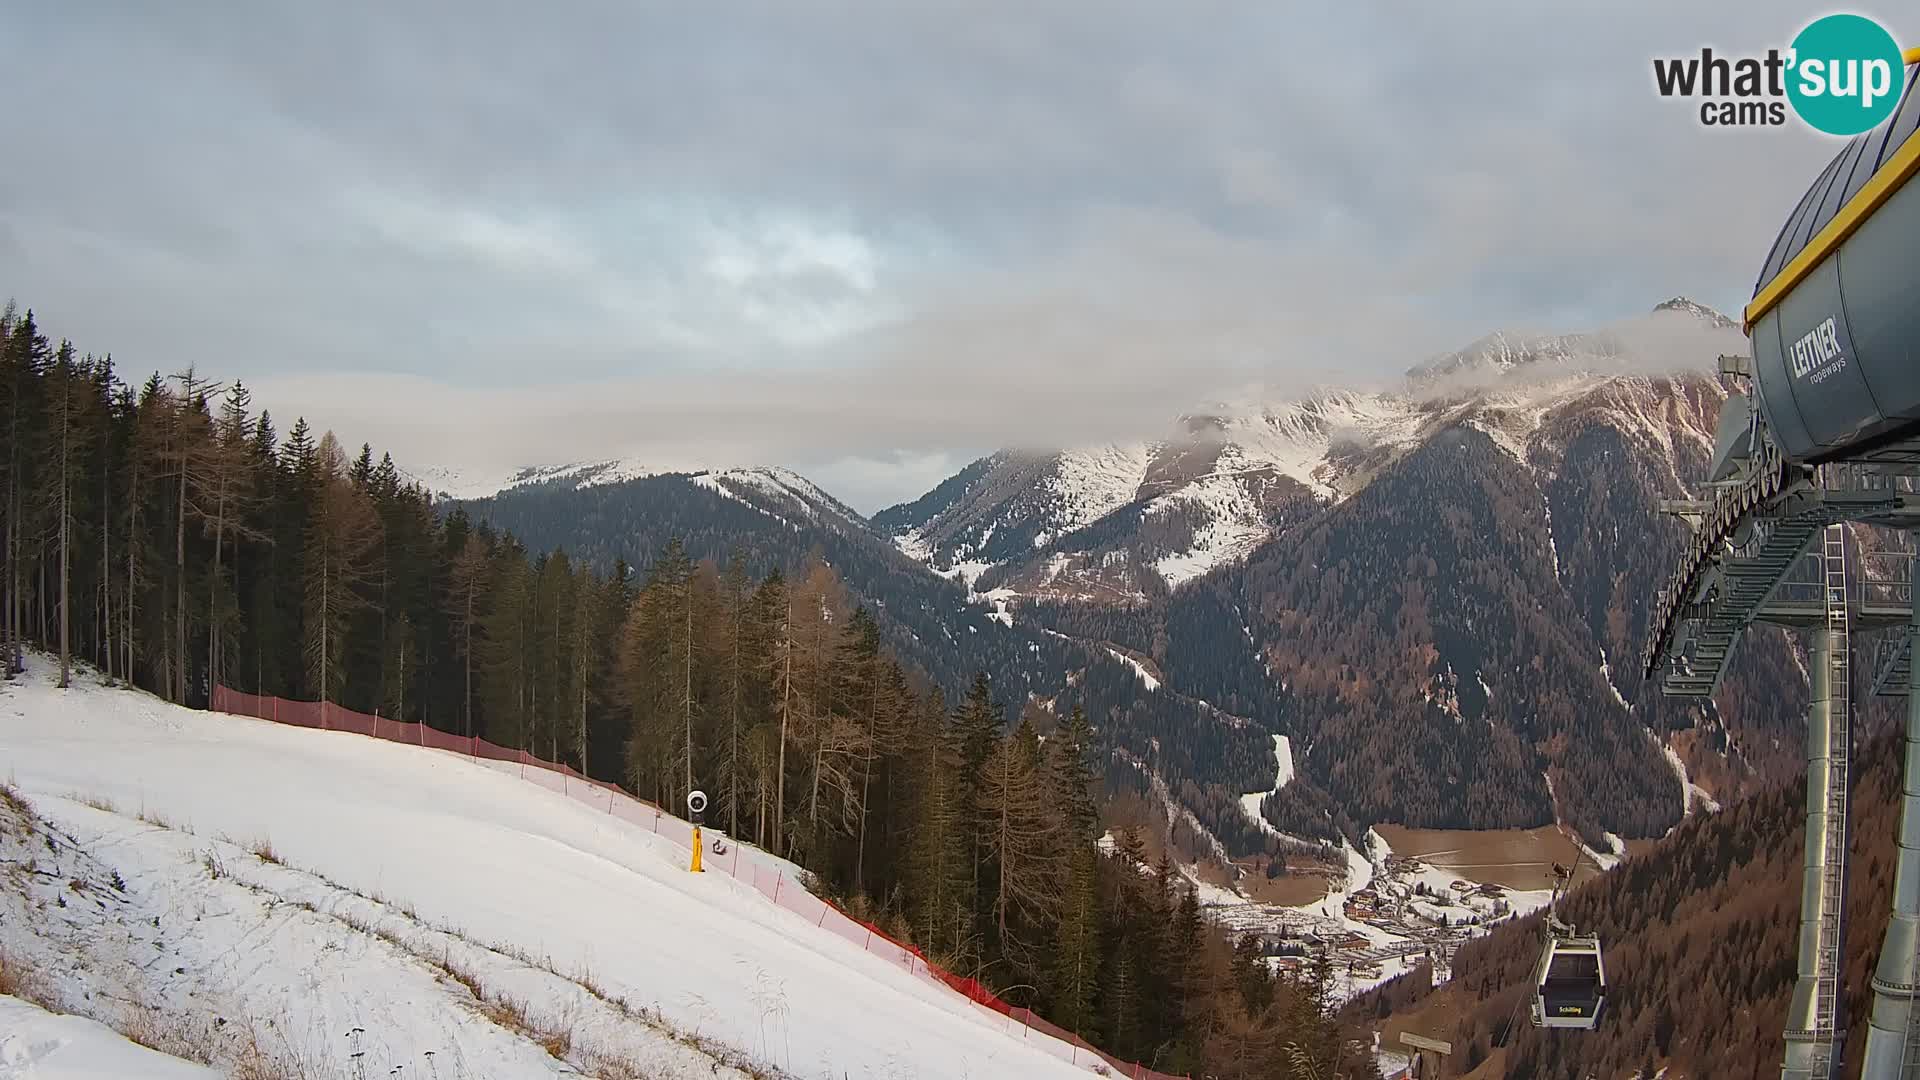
(37, 1045)
(501, 861)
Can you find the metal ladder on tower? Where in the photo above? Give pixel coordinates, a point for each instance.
(1910, 1048)
(1830, 965)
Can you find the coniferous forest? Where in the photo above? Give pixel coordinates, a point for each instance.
(172, 537)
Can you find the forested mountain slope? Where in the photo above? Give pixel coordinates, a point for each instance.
(167, 537)
(1439, 594)
(1700, 936)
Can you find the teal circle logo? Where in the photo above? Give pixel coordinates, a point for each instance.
(1845, 74)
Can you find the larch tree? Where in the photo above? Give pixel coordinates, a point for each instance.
(729, 761)
(342, 533)
(230, 498)
(190, 462)
(1024, 841)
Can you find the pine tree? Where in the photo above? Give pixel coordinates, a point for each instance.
(587, 607)
(393, 691)
(1076, 964)
(67, 395)
(504, 650)
(26, 356)
(1075, 972)
(465, 600)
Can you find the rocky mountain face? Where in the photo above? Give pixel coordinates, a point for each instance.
(1438, 593)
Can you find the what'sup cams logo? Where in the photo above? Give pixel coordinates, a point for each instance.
(1842, 75)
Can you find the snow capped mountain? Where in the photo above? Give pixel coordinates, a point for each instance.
(1630, 344)
(460, 485)
(1697, 310)
(1131, 521)
(773, 490)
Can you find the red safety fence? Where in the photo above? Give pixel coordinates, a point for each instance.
(766, 874)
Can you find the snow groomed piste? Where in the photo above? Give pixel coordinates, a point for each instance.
(774, 879)
(570, 873)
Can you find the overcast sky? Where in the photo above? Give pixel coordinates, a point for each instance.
(868, 240)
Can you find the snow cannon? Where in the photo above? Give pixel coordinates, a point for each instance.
(697, 806)
(1835, 317)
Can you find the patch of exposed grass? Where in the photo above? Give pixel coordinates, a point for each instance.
(100, 803)
(11, 798)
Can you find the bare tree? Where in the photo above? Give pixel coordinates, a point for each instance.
(1023, 837)
(342, 530)
(190, 462)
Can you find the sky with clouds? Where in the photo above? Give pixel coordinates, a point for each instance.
(869, 240)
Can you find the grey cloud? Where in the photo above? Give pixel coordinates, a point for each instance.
(864, 235)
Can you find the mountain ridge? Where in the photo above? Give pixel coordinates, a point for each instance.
(1241, 562)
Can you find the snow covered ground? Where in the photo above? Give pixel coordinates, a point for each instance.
(1140, 669)
(39, 1045)
(1250, 802)
(402, 880)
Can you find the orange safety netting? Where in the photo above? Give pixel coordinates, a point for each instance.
(756, 869)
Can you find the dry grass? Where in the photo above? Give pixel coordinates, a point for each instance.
(508, 1012)
(189, 1040)
(103, 805)
(18, 978)
(12, 976)
(12, 800)
(263, 850)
